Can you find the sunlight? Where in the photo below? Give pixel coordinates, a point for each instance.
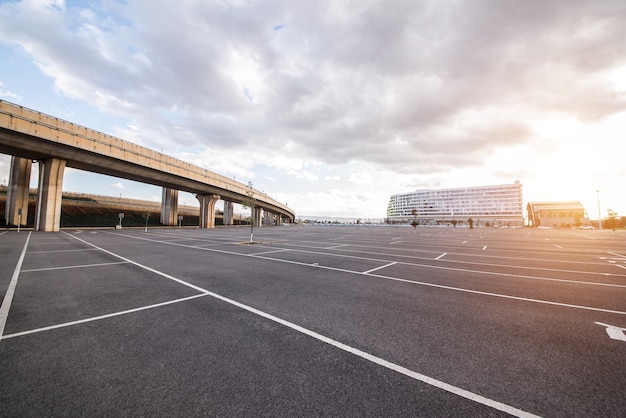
(619, 79)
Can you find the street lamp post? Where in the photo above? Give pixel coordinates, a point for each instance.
(599, 211)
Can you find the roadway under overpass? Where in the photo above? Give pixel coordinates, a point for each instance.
(29, 136)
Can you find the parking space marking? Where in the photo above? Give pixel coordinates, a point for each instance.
(523, 267)
(336, 246)
(62, 251)
(282, 250)
(615, 333)
(160, 273)
(8, 296)
(97, 318)
(457, 289)
(367, 356)
(619, 258)
(442, 255)
(378, 268)
(74, 267)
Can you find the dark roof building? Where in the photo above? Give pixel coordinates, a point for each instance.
(556, 214)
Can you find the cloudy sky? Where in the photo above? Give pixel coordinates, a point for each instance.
(332, 106)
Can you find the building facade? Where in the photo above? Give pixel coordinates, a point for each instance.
(485, 205)
(557, 214)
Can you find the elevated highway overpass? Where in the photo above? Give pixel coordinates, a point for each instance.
(28, 136)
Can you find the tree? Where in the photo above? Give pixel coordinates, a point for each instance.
(611, 222)
(470, 221)
(250, 202)
(146, 216)
(454, 222)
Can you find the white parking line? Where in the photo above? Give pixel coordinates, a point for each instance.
(97, 318)
(8, 296)
(378, 268)
(442, 255)
(61, 251)
(615, 333)
(282, 250)
(457, 289)
(336, 246)
(374, 359)
(74, 267)
(167, 276)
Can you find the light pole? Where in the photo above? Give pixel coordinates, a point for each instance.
(599, 211)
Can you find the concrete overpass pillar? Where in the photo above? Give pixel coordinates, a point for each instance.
(48, 217)
(228, 213)
(207, 209)
(169, 207)
(267, 217)
(279, 220)
(17, 193)
(256, 216)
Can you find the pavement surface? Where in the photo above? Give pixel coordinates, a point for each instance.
(313, 321)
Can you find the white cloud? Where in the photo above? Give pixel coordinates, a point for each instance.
(302, 97)
(7, 94)
(118, 185)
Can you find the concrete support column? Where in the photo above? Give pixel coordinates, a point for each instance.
(228, 213)
(17, 193)
(256, 216)
(48, 217)
(207, 209)
(169, 207)
(267, 217)
(279, 220)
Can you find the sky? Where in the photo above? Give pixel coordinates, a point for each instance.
(333, 106)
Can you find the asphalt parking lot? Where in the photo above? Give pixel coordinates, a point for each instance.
(313, 321)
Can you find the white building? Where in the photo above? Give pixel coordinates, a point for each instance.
(493, 205)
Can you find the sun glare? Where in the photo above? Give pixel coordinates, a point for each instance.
(618, 78)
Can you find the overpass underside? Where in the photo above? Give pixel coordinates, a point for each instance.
(49, 197)
(28, 136)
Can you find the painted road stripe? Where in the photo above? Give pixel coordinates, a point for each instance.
(97, 318)
(8, 297)
(458, 289)
(374, 359)
(167, 276)
(378, 268)
(62, 251)
(74, 267)
(615, 333)
(442, 255)
(282, 250)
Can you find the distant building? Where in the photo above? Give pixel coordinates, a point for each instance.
(556, 214)
(493, 205)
